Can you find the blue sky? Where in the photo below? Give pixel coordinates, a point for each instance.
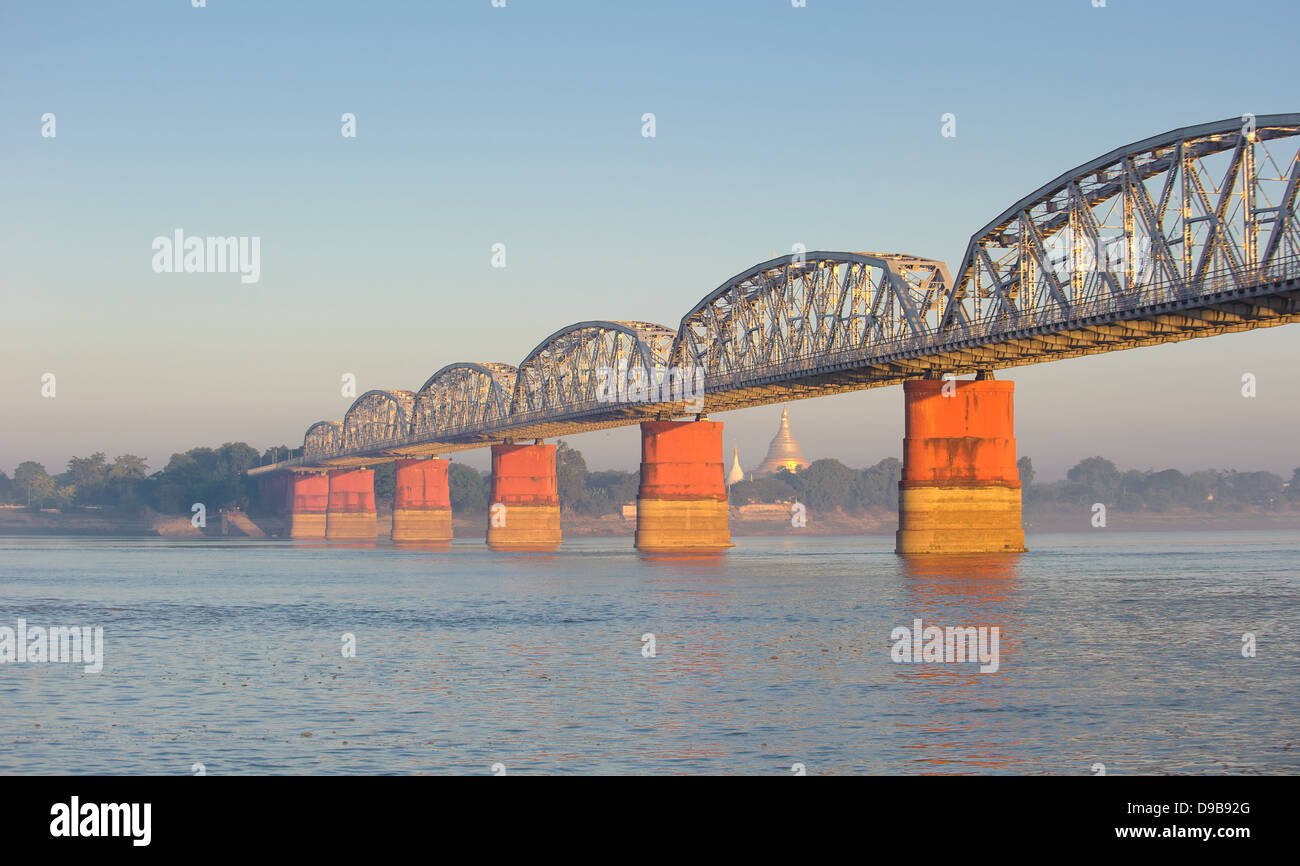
(479, 125)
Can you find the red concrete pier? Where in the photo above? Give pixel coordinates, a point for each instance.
(960, 491)
(422, 502)
(351, 514)
(308, 503)
(681, 504)
(524, 505)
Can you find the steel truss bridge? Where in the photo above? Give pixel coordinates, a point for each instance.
(1187, 234)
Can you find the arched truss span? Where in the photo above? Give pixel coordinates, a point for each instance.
(566, 368)
(377, 418)
(463, 396)
(1122, 250)
(323, 439)
(810, 307)
(1192, 212)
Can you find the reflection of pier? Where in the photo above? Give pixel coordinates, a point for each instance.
(965, 590)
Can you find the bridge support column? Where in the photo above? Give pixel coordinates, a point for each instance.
(281, 498)
(681, 504)
(274, 493)
(524, 506)
(308, 499)
(422, 502)
(960, 491)
(351, 515)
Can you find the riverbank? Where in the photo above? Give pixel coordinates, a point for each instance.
(772, 522)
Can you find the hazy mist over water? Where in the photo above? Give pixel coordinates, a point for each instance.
(1119, 648)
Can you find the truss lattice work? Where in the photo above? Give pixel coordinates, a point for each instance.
(1190, 233)
(1190, 213)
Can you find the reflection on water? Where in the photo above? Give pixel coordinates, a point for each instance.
(425, 546)
(961, 591)
(702, 559)
(1124, 649)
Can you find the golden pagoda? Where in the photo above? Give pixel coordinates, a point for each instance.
(784, 451)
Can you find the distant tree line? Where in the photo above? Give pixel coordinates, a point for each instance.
(213, 476)
(830, 485)
(826, 485)
(1096, 479)
(217, 477)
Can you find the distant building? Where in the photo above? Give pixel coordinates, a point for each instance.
(766, 510)
(736, 473)
(784, 452)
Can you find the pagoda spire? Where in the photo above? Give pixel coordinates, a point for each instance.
(736, 473)
(784, 452)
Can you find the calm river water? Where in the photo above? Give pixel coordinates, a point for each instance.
(1117, 648)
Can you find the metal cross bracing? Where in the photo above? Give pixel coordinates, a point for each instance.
(1186, 234)
(462, 397)
(1178, 219)
(377, 418)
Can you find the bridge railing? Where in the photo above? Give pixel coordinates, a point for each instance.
(1164, 290)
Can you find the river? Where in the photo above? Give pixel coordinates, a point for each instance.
(1115, 649)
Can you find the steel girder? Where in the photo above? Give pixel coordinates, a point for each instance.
(812, 306)
(323, 439)
(565, 370)
(376, 419)
(1170, 218)
(463, 396)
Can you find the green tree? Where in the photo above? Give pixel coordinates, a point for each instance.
(1094, 479)
(127, 467)
(1202, 487)
(1255, 488)
(1165, 489)
(178, 478)
(570, 477)
(385, 482)
(1132, 488)
(1025, 469)
(39, 490)
(214, 476)
(764, 489)
(879, 484)
(32, 483)
(608, 492)
(124, 482)
(467, 488)
(1096, 472)
(89, 475)
(825, 485)
(276, 453)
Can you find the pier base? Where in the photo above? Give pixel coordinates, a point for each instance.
(351, 515)
(524, 505)
(960, 491)
(308, 497)
(421, 502)
(681, 504)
